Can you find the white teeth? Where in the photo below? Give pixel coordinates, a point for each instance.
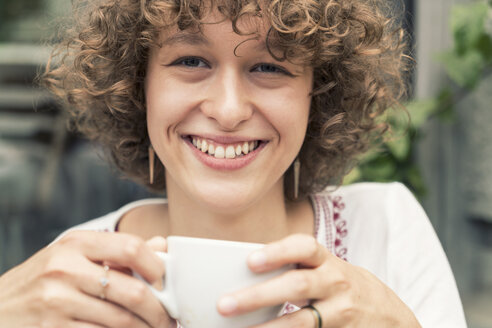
(204, 146)
(211, 149)
(219, 152)
(245, 148)
(230, 152)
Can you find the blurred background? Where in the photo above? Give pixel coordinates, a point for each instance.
(51, 179)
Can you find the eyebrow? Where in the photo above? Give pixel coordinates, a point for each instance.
(196, 38)
(199, 39)
(186, 38)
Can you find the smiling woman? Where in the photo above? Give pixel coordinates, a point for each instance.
(355, 48)
(255, 110)
(225, 90)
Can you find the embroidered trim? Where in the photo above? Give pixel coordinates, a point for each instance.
(329, 208)
(329, 223)
(340, 227)
(317, 216)
(288, 308)
(332, 208)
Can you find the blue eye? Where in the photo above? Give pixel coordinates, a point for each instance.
(193, 62)
(270, 68)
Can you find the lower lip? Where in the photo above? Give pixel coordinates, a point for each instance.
(227, 164)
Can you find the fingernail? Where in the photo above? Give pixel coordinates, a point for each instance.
(227, 304)
(257, 259)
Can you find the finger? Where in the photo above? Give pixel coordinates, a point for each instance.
(61, 298)
(124, 249)
(93, 310)
(292, 286)
(298, 248)
(125, 291)
(117, 267)
(157, 244)
(299, 319)
(82, 324)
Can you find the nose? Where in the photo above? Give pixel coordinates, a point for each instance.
(228, 101)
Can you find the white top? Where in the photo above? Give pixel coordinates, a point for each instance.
(382, 228)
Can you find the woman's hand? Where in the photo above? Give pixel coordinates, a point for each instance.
(61, 285)
(345, 295)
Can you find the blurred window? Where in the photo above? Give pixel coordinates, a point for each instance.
(30, 21)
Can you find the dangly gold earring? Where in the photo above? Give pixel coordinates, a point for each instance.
(297, 172)
(151, 164)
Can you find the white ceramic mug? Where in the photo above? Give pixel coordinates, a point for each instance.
(199, 271)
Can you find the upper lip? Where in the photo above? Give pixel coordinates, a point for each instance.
(224, 139)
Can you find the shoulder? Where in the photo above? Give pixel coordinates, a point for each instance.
(389, 234)
(109, 221)
(368, 193)
(366, 219)
(389, 208)
(381, 216)
(372, 203)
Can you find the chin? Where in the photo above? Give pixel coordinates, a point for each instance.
(226, 199)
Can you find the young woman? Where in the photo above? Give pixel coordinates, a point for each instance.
(244, 113)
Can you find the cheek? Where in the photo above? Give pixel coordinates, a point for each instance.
(166, 106)
(290, 117)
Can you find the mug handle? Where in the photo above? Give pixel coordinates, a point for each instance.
(165, 296)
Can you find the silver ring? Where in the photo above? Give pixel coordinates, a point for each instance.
(317, 316)
(104, 282)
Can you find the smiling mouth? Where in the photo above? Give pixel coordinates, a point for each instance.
(229, 151)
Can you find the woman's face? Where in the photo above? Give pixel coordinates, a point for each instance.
(224, 117)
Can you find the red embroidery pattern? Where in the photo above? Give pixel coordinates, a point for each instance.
(288, 308)
(329, 209)
(340, 227)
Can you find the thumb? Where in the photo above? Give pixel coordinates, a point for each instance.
(157, 244)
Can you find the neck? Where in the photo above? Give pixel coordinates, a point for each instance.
(265, 220)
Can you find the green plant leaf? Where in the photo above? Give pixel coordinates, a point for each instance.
(353, 176)
(415, 181)
(370, 156)
(488, 21)
(421, 110)
(465, 70)
(399, 146)
(445, 105)
(468, 24)
(484, 45)
(380, 169)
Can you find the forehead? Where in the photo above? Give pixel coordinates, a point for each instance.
(195, 21)
(209, 34)
(214, 21)
(245, 32)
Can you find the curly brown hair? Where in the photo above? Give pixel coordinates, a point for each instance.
(354, 46)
